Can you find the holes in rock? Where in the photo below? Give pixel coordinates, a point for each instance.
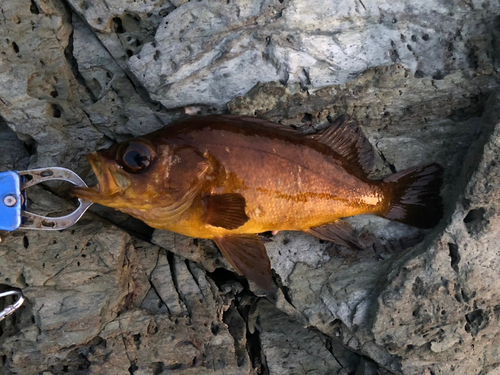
(472, 59)
(474, 220)
(163, 13)
(15, 47)
(438, 75)
(255, 352)
(465, 296)
(133, 368)
(157, 55)
(21, 280)
(137, 340)
(54, 93)
(425, 37)
(54, 110)
(26, 242)
(34, 8)
(222, 276)
(98, 20)
(418, 287)
(476, 321)
(118, 25)
(214, 328)
(84, 5)
(157, 368)
(413, 38)
(454, 256)
(419, 74)
(307, 117)
(152, 329)
(129, 53)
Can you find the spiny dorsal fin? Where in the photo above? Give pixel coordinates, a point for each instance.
(245, 120)
(225, 210)
(248, 256)
(346, 138)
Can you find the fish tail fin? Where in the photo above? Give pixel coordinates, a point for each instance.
(414, 196)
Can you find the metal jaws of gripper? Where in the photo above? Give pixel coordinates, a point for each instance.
(13, 202)
(11, 308)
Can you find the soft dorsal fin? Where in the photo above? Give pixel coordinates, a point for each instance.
(224, 210)
(248, 256)
(346, 138)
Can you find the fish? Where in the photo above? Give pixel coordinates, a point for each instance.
(228, 178)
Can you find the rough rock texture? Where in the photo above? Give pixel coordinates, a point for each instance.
(112, 296)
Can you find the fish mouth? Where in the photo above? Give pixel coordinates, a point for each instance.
(109, 180)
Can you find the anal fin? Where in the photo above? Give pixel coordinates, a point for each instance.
(339, 232)
(225, 210)
(248, 256)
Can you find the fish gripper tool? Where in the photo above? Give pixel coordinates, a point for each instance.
(13, 199)
(11, 308)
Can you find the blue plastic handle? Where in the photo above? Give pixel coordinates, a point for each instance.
(10, 201)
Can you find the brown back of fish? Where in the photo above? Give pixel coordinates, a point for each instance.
(288, 181)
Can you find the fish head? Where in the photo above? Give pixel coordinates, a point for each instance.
(131, 174)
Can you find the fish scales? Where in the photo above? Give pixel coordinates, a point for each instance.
(228, 178)
(287, 184)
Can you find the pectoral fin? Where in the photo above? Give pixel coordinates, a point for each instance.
(225, 210)
(248, 256)
(339, 232)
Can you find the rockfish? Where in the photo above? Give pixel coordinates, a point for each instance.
(227, 178)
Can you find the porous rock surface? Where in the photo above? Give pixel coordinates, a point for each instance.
(112, 296)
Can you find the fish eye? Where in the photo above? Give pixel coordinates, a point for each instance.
(136, 156)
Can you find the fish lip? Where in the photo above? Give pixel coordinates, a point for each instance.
(109, 180)
(96, 166)
(91, 192)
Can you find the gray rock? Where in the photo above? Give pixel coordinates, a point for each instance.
(112, 296)
(210, 52)
(440, 301)
(312, 352)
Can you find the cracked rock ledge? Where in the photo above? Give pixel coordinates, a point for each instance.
(113, 296)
